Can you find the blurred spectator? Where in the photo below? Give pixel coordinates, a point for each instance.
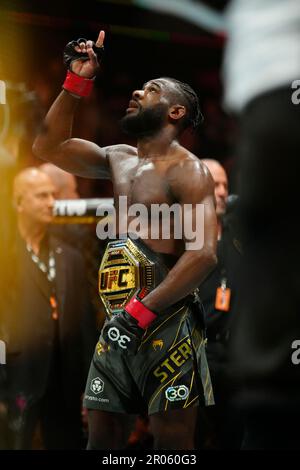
(218, 295)
(65, 183)
(261, 65)
(51, 330)
(82, 237)
(221, 190)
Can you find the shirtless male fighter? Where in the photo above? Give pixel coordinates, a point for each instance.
(151, 353)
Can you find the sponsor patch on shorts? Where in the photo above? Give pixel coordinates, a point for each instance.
(97, 385)
(101, 400)
(177, 393)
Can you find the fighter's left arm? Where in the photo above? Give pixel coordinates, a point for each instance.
(194, 189)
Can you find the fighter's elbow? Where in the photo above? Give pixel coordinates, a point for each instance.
(212, 259)
(209, 258)
(38, 149)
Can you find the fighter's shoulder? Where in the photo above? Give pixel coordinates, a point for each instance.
(187, 165)
(120, 150)
(190, 179)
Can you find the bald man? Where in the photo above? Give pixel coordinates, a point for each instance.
(218, 294)
(50, 324)
(34, 201)
(65, 187)
(80, 236)
(65, 183)
(221, 189)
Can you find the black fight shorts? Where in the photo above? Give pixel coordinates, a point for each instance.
(168, 372)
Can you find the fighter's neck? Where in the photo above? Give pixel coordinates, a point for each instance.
(158, 145)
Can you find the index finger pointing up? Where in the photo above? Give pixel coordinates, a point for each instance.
(100, 39)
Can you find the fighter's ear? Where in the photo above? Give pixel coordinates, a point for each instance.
(177, 111)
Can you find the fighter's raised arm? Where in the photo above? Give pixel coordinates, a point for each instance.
(54, 143)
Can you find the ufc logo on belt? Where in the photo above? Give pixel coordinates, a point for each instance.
(117, 279)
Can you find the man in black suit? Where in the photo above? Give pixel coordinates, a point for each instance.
(50, 323)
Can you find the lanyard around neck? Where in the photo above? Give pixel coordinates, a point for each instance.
(50, 270)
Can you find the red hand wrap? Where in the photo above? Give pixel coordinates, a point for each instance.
(137, 310)
(78, 85)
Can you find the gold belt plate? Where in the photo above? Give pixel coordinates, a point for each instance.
(125, 271)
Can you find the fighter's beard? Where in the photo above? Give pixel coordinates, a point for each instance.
(146, 122)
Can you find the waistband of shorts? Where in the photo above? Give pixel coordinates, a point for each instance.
(166, 260)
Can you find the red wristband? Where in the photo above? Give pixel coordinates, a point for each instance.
(78, 85)
(137, 310)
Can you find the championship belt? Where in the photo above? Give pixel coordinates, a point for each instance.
(128, 268)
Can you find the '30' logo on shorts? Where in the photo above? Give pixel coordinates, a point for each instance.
(176, 393)
(114, 335)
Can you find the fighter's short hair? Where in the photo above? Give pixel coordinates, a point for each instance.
(194, 116)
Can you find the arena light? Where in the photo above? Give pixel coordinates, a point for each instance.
(79, 211)
(196, 13)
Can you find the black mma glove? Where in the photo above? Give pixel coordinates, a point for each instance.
(125, 330)
(122, 333)
(70, 54)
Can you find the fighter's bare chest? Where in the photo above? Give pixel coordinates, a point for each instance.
(142, 181)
